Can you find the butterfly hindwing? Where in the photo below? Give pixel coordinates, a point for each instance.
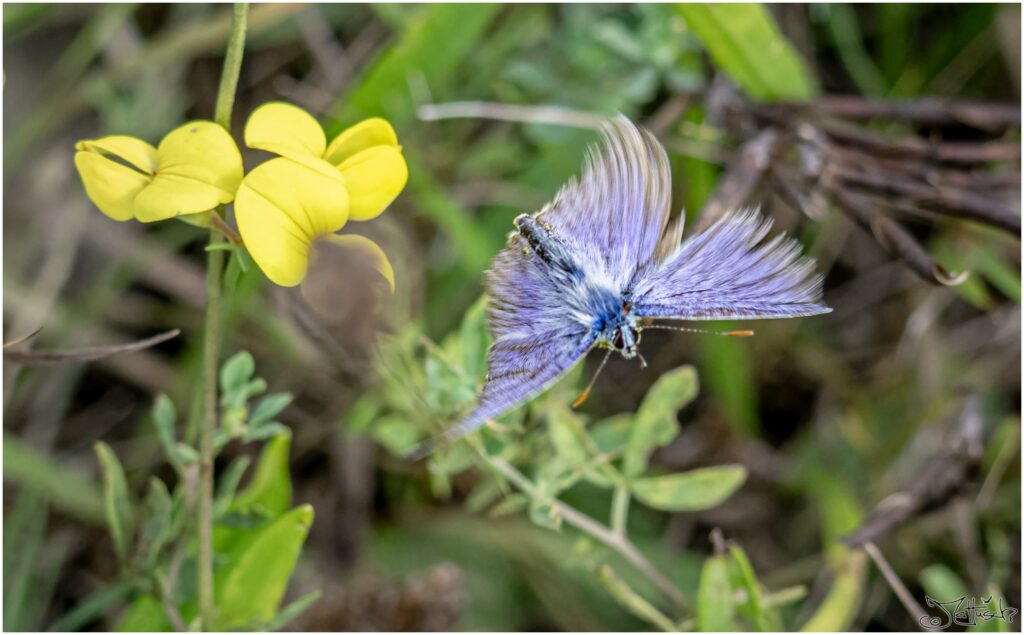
(534, 344)
(728, 272)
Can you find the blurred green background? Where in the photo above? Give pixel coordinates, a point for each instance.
(829, 415)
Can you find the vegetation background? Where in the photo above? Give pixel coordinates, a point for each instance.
(828, 415)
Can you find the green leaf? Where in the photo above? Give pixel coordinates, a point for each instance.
(744, 42)
(633, 601)
(93, 607)
(66, 489)
(837, 503)
(396, 433)
(184, 453)
(293, 610)
(727, 373)
(164, 416)
(612, 434)
(568, 436)
(474, 339)
(228, 482)
(999, 622)
(264, 431)
(432, 45)
(655, 422)
(197, 220)
(840, 606)
(1000, 274)
(24, 535)
(510, 504)
(251, 589)
(715, 597)
(270, 491)
(144, 615)
(156, 527)
(235, 372)
(942, 583)
(361, 416)
(116, 501)
(268, 408)
(543, 511)
(690, 491)
(753, 608)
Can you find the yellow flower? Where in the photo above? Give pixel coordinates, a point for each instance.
(196, 167)
(287, 204)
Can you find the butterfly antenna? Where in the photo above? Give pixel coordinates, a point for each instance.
(586, 391)
(666, 327)
(643, 362)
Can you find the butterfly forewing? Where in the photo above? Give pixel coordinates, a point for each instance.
(618, 209)
(728, 271)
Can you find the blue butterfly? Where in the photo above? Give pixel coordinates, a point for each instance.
(600, 263)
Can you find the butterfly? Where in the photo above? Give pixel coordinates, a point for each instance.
(601, 262)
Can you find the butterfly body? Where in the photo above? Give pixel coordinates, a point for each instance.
(591, 298)
(601, 262)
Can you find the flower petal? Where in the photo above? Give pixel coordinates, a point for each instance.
(170, 195)
(135, 152)
(363, 135)
(281, 207)
(285, 129)
(111, 186)
(202, 151)
(370, 250)
(374, 177)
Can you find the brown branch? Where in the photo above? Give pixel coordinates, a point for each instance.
(926, 111)
(553, 115)
(897, 586)
(941, 478)
(82, 355)
(893, 237)
(981, 180)
(925, 150)
(741, 178)
(955, 202)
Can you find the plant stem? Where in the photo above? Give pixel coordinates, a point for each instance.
(232, 65)
(211, 341)
(211, 352)
(586, 524)
(620, 509)
(904, 595)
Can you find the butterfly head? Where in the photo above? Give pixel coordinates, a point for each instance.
(621, 333)
(625, 340)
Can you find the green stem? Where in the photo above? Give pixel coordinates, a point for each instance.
(232, 65)
(211, 341)
(586, 524)
(620, 509)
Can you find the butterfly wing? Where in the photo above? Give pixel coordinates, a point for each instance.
(618, 209)
(535, 343)
(727, 271)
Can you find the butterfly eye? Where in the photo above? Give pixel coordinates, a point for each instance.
(618, 342)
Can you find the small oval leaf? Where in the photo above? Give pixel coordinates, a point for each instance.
(690, 491)
(116, 500)
(715, 597)
(655, 422)
(270, 491)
